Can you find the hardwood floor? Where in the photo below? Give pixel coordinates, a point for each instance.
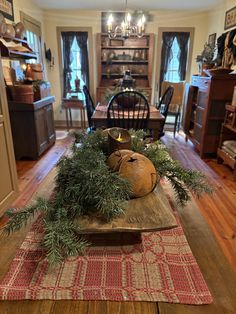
(218, 210)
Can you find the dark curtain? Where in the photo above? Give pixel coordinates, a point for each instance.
(82, 41)
(166, 53)
(67, 39)
(183, 40)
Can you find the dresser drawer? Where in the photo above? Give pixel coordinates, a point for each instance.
(201, 82)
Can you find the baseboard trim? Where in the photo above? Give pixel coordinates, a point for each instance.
(62, 124)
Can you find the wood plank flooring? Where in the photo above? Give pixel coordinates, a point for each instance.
(215, 219)
(218, 209)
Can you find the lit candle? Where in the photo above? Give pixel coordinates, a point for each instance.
(128, 19)
(119, 138)
(109, 23)
(140, 26)
(143, 22)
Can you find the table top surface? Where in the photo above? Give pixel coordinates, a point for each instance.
(100, 113)
(77, 101)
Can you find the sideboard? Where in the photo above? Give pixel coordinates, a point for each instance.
(32, 126)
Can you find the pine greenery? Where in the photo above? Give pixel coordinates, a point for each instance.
(85, 185)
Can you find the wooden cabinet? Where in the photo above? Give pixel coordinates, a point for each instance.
(8, 176)
(32, 127)
(115, 56)
(228, 133)
(213, 93)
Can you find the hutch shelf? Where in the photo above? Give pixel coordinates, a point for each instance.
(15, 48)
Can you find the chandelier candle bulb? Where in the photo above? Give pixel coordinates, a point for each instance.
(126, 28)
(109, 23)
(143, 22)
(140, 26)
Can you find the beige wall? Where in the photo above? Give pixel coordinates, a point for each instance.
(75, 18)
(53, 19)
(216, 19)
(28, 7)
(204, 24)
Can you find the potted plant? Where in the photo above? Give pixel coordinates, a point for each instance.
(205, 59)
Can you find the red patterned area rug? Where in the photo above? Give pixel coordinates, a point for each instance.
(155, 266)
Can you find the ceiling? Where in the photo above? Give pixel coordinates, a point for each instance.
(119, 5)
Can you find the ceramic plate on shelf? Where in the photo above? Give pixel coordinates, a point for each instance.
(10, 31)
(2, 25)
(19, 30)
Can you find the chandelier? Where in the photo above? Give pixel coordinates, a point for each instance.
(126, 29)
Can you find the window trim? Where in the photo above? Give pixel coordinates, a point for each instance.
(35, 28)
(25, 18)
(162, 30)
(90, 52)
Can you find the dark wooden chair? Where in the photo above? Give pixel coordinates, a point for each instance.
(128, 110)
(164, 104)
(90, 107)
(175, 107)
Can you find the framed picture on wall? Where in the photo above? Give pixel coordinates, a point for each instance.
(6, 8)
(230, 18)
(212, 40)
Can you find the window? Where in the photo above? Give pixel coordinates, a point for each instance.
(33, 36)
(172, 74)
(34, 43)
(76, 73)
(174, 61)
(75, 63)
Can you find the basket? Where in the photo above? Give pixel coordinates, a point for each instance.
(22, 93)
(34, 71)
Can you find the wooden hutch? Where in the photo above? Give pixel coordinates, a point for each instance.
(206, 111)
(115, 56)
(32, 123)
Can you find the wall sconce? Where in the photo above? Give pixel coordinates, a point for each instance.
(49, 57)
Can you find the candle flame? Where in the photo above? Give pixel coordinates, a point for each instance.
(119, 138)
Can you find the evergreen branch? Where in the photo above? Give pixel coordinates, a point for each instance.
(61, 240)
(18, 219)
(182, 180)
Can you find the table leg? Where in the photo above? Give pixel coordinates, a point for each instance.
(67, 121)
(70, 117)
(84, 126)
(156, 134)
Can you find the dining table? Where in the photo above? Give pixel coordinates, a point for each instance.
(155, 122)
